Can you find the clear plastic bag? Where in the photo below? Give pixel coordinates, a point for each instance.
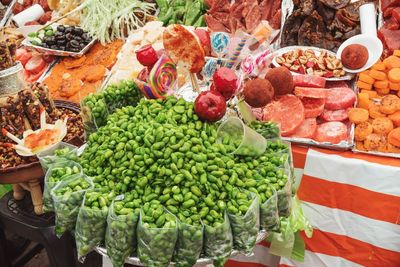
(245, 227)
(94, 112)
(189, 245)
(218, 241)
(269, 214)
(91, 223)
(156, 245)
(58, 172)
(120, 237)
(285, 194)
(61, 152)
(67, 198)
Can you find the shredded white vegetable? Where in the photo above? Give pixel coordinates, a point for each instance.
(108, 20)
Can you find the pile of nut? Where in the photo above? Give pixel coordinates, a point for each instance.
(9, 158)
(74, 124)
(312, 62)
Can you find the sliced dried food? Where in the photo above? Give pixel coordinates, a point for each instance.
(35, 65)
(307, 129)
(32, 107)
(328, 14)
(335, 115)
(95, 73)
(362, 130)
(312, 31)
(71, 62)
(332, 132)
(311, 92)
(335, 4)
(309, 81)
(358, 115)
(290, 31)
(374, 111)
(313, 107)
(394, 137)
(389, 104)
(340, 98)
(70, 87)
(287, 111)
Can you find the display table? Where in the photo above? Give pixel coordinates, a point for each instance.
(353, 203)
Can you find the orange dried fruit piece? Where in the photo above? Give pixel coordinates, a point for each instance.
(362, 130)
(382, 125)
(395, 117)
(70, 87)
(377, 75)
(394, 137)
(95, 73)
(358, 115)
(389, 104)
(375, 141)
(71, 63)
(366, 78)
(394, 75)
(374, 112)
(364, 85)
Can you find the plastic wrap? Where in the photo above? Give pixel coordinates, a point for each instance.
(189, 245)
(61, 152)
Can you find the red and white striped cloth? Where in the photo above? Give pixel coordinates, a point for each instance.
(353, 203)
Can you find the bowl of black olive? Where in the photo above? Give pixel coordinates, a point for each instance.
(60, 40)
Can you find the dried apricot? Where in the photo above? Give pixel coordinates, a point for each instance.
(382, 125)
(362, 130)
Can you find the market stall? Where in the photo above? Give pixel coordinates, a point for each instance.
(207, 133)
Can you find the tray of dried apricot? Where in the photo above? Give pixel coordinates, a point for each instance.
(311, 61)
(377, 116)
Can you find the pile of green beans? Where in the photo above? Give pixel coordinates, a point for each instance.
(57, 172)
(244, 216)
(67, 198)
(122, 221)
(157, 234)
(96, 107)
(269, 214)
(91, 223)
(161, 152)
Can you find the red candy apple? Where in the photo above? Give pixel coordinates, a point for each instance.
(225, 82)
(146, 55)
(210, 106)
(205, 40)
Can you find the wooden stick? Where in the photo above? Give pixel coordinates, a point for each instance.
(195, 83)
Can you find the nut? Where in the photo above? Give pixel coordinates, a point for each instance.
(280, 60)
(303, 60)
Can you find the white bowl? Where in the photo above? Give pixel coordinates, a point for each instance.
(373, 45)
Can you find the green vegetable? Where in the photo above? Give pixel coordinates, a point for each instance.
(58, 172)
(267, 129)
(62, 153)
(189, 12)
(67, 197)
(157, 235)
(33, 34)
(91, 223)
(122, 220)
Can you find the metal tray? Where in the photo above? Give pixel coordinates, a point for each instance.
(377, 153)
(262, 235)
(60, 53)
(279, 52)
(8, 14)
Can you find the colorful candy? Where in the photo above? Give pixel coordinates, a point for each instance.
(209, 68)
(219, 42)
(162, 77)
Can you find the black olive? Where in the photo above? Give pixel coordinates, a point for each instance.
(62, 48)
(82, 45)
(61, 28)
(68, 30)
(85, 36)
(74, 43)
(54, 47)
(45, 45)
(78, 39)
(78, 31)
(60, 37)
(51, 41)
(69, 36)
(61, 42)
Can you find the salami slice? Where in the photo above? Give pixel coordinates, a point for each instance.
(309, 81)
(335, 115)
(287, 111)
(340, 98)
(35, 64)
(310, 92)
(333, 132)
(313, 107)
(307, 129)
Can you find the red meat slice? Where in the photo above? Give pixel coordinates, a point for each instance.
(389, 3)
(35, 64)
(335, 84)
(24, 58)
(340, 98)
(391, 24)
(307, 129)
(335, 115)
(313, 107)
(396, 13)
(391, 38)
(34, 77)
(310, 92)
(287, 111)
(309, 81)
(333, 132)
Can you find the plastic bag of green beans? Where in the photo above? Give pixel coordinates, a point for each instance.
(61, 152)
(57, 172)
(269, 215)
(67, 198)
(218, 241)
(120, 237)
(189, 245)
(285, 194)
(245, 223)
(157, 235)
(125, 93)
(94, 112)
(91, 223)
